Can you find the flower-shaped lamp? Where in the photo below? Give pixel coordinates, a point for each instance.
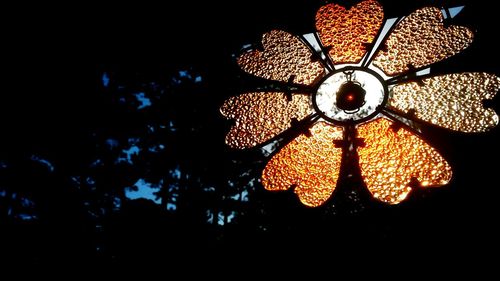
(356, 93)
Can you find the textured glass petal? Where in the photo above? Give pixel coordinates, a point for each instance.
(451, 101)
(390, 160)
(421, 39)
(284, 55)
(310, 163)
(261, 116)
(346, 33)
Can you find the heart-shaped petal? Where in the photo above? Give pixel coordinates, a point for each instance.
(419, 40)
(453, 101)
(262, 116)
(310, 163)
(347, 33)
(391, 159)
(284, 56)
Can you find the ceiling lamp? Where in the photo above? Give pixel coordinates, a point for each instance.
(356, 88)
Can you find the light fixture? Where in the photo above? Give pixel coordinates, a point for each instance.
(358, 92)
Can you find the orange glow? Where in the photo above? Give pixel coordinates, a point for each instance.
(393, 159)
(389, 160)
(348, 32)
(420, 39)
(261, 116)
(284, 56)
(311, 164)
(453, 101)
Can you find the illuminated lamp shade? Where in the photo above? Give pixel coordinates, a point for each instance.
(309, 163)
(392, 158)
(262, 116)
(347, 33)
(357, 102)
(283, 57)
(420, 40)
(453, 101)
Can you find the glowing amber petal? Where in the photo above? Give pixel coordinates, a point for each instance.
(348, 32)
(310, 163)
(262, 116)
(284, 55)
(389, 160)
(421, 39)
(453, 101)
